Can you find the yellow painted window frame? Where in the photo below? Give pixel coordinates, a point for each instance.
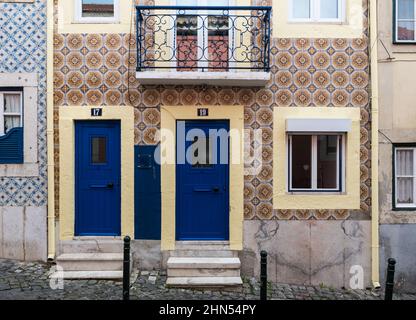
(350, 198)
(351, 26)
(67, 19)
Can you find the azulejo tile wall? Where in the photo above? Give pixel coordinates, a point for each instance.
(23, 49)
(99, 69)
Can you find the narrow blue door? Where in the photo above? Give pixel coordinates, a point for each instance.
(202, 174)
(97, 178)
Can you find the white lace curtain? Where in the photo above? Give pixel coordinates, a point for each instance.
(12, 111)
(405, 176)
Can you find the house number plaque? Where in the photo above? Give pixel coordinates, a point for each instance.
(203, 112)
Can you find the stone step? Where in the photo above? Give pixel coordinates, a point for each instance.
(202, 245)
(203, 263)
(203, 281)
(91, 246)
(204, 253)
(210, 272)
(109, 275)
(90, 261)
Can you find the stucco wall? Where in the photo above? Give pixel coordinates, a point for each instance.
(23, 199)
(397, 67)
(398, 241)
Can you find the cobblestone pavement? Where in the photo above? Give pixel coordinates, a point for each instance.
(31, 281)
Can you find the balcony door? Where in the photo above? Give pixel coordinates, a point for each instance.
(203, 36)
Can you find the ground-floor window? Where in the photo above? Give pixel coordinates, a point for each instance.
(315, 162)
(405, 177)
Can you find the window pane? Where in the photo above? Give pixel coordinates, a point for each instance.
(405, 30)
(187, 42)
(301, 162)
(98, 8)
(201, 155)
(406, 9)
(98, 150)
(404, 190)
(11, 103)
(301, 9)
(218, 29)
(329, 9)
(327, 162)
(11, 122)
(404, 163)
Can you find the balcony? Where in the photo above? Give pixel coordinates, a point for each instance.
(212, 45)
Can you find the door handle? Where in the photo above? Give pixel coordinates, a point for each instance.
(216, 189)
(109, 185)
(202, 190)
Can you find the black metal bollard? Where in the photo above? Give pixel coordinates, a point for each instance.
(126, 269)
(388, 295)
(263, 275)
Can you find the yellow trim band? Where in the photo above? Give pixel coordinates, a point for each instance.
(67, 116)
(169, 115)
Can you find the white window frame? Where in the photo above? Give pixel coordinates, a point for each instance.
(396, 23)
(315, 13)
(314, 160)
(396, 176)
(29, 83)
(3, 114)
(96, 20)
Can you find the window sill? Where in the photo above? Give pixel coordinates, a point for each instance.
(88, 21)
(317, 22)
(317, 193)
(246, 78)
(19, 170)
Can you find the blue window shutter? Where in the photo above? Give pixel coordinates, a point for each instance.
(11, 146)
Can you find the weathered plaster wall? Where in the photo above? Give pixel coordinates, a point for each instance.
(398, 241)
(23, 199)
(397, 67)
(308, 252)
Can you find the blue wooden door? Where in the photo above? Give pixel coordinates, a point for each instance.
(202, 208)
(97, 178)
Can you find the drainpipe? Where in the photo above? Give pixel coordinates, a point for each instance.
(374, 145)
(49, 133)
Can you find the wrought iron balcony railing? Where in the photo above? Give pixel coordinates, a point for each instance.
(209, 38)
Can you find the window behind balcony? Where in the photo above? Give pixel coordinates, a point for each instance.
(404, 21)
(202, 37)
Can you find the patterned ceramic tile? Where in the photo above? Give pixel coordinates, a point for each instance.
(99, 69)
(23, 49)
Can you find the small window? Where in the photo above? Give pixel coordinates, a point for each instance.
(98, 150)
(317, 10)
(405, 177)
(315, 162)
(10, 111)
(405, 21)
(201, 152)
(97, 11)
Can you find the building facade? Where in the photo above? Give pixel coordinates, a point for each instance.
(23, 156)
(288, 80)
(397, 52)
